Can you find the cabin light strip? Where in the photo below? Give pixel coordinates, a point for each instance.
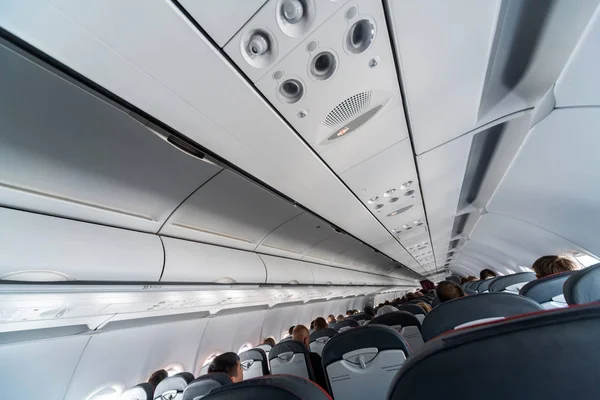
(195, 228)
(74, 201)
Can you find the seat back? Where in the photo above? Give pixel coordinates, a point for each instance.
(172, 388)
(470, 309)
(484, 286)
(475, 286)
(291, 358)
(548, 291)
(361, 362)
(202, 385)
(280, 387)
(344, 325)
(319, 338)
(361, 318)
(414, 310)
(502, 282)
(254, 363)
(405, 323)
(583, 286)
(143, 391)
(549, 355)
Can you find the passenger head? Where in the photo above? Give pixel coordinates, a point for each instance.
(270, 341)
(369, 311)
(320, 324)
(340, 318)
(487, 274)
(157, 377)
(301, 334)
(331, 319)
(355, 311)
(410, 296)
(291, 329)
(472, 278)
(386, 303)
(312, 325)
(228, 363)
(349, 313)
(426, 307)
(386, 310)
(550, 265)
(447, 290)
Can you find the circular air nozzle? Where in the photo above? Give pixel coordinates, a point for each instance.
(323, 65)
(360, 36)
(295, 17)
(292, 11)
(291, 91)
(258, 45)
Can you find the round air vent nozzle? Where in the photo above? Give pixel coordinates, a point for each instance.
(323, 65)
(291, 91)
(360, 36)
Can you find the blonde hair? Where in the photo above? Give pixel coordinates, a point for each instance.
(426, 307)
(550, 265)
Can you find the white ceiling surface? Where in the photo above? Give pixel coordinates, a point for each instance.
(226, 115)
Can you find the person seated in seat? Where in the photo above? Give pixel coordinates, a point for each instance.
(270, 341)
(291, 330)
(550, 265)
(355, 311)
(312, 325)
(320, 324)
(447, 290)
(302, 335)
(228, 363)
(410, 296)
(340, 318)
(426, 307)
(331, 319)
(157, 377)
(487, 274)
(369, 311)
(349, 313)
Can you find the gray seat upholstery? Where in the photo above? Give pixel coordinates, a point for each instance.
(454, 313)
(436, 302)
(345, 324)
(172, 388)
(291, 358)
(550, 355)
(502, 282)
(484, 286)
(476, 285)
(319, 338)
(544, 290)
(254, 362)
(274, 387)
(583, 286)
(143, 391)
(405, 323)
(203, 385)
(361, 318)
(360, 363)
(414, 310)
(470, 292)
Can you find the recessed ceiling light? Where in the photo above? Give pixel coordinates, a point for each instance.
(409, 192)
(373, 199)
(418, 222)
(389, 193)
(378, 206)
(394, 199)
(406, 185)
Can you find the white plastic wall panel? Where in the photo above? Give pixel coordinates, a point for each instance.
(278, 321)
(187, 261)
(54, 360)
(63, 151)
(324, 275)
(297, 236)
(578, 84)
(228, 333)
(75, 250)
(285, 270)
(221, 19)
(127, 357)
(443, 49)
(559, 197)
(239, 126)
(309, 312)
(229, 210)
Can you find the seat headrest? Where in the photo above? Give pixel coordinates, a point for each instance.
(202, 385)
(360, 317)
(402, 318)
(248, 357)
(347, 323)
(541, 356)
(453, 313)
(280, 387)
(327, 332)
(175, 383)
(411, 308)
(453, 278)
(385, 309)
(502, 282)
(470, 292)
(485, 285)
(143, 391)
(264, 346)
(378, 336)
(286, 347)
(544, 289)
(583, 286)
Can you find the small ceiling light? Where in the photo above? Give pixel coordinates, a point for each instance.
(378, 206)
(405, 185)
(373, 199)
(425, 243)
(409, 192)
(399, 211)
(405, 226)
(418, 222)
(389, 192)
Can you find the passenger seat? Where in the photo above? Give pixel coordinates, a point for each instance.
(551, 355)
(344, 325)
(548, 291)
(360, 363)
(361, 318)
(143, 391)
(291, 358)
(254, 363)
(319, 338)
(583, 286)
(511, 283)
(203, 385)
(276, 387)
(172, 388)
(414, 310)
(405, 323)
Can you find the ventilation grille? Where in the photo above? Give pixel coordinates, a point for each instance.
(348, 109)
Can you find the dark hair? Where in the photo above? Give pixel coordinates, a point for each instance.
(226, 362)
(349, 313)
(320, 323)
(550, 265)
(291, 329)
(157, 377)
(487, 273)
(369, 311)
(312, 324)
(447, 290)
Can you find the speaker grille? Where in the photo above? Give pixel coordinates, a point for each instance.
(348, 109)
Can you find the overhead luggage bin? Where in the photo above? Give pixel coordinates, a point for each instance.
(284, 270)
